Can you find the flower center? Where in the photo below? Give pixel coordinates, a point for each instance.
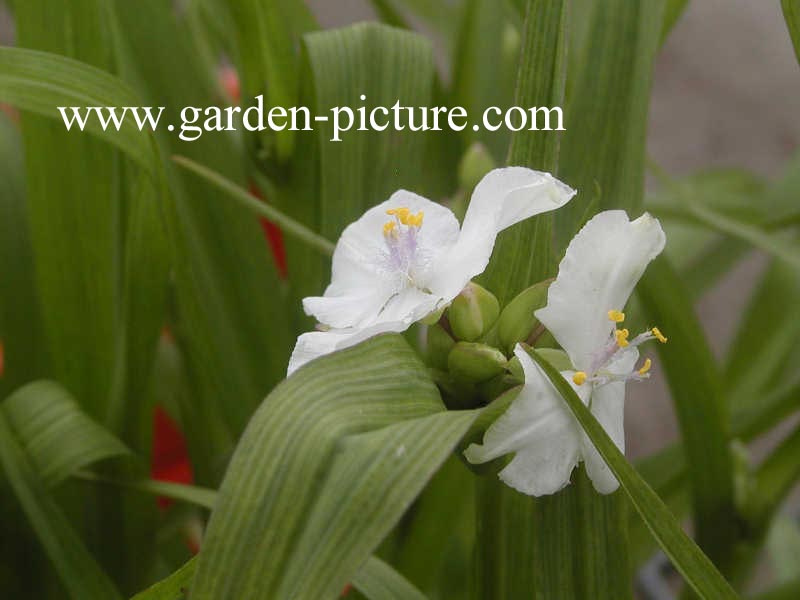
(400, 235)
(616, 348)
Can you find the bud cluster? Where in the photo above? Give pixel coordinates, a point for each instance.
(468, 348)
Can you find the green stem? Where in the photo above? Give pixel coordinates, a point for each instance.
(253, 204)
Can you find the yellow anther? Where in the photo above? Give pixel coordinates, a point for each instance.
(658, 335)
(416, 220)
(622, 337)
(401, 214)
(388, 227)
(646, 366)
(579, 378)
(616, 316)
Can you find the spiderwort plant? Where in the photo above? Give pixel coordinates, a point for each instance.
(408, 258)
(601, 267)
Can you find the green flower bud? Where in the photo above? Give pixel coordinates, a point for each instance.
(516, 322)
(473, 312)
(475, 163)
(473, 362)
(439, 345)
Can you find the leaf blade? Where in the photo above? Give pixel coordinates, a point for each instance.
(698, 571)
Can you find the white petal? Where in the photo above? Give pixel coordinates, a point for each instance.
(540, 429)
(502, 198)
(603, 263)
(319, 343)
(409, 306)
(343, 311)
(608, 403)
(362, 281)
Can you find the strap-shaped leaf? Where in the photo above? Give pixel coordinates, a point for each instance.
(232, 329)
(694, 380)
(79, 573)
(516, 262)
(326, 467)
(268, 38)
(698, 571)
(58, 437)
(25, 353)
(40, 82)
(375, 579)
(602, 151)
(378, 581)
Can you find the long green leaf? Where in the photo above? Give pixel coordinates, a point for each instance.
(694, 380)
(378, 581)
(765, 341)
(775, 477)
(439, 532)
(73, 197)
(787, 249)
(327, 466)
(268, 37)
(57, 436)
(484, 68)
(230, 312)
(517, 262)
(39, 82)
(79, 573)
(698, 571)
(24, 349)
(602, 152)
(86, 200)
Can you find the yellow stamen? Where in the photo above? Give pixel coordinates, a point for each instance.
(622, 337)
(406, 217)
(658, 335)
(579, 378)
(388, 227)
(646, 366)
(616, 316)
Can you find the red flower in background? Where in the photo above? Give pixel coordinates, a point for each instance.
(170, 458)
(274, 237)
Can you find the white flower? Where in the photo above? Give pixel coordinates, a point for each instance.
(602, 265)
(407, 257)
